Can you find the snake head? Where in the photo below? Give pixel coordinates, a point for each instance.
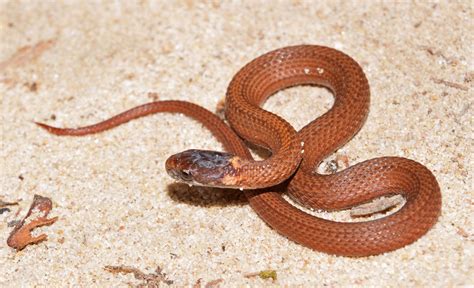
(205, 168)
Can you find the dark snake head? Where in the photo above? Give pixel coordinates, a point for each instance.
(205, 168)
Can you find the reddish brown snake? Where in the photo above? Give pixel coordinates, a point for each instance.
(250, 87)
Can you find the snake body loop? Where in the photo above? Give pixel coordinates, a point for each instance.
(296, 154)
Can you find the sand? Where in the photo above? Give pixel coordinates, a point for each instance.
(76, 63)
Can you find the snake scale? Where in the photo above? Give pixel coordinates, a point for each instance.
(295, 154)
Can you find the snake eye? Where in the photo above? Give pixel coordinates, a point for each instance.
(186, 175)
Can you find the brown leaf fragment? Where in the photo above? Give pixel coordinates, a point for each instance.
(214, 283)
(126, 270)
(27, 54)
(153, 96)
(21, 236)
(151, 280)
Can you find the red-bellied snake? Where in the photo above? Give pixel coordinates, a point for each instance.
(296, 154)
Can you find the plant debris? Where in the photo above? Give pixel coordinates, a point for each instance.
(438, 53)
(461, 232)
(264, 274)
(21, 236)
(450, 84)
(4, 204)
(151, 280)
(210, 284)
(214, 283)
(4, 208)
(153, 96)
(27, 54)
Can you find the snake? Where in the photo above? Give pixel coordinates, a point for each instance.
(296, 154)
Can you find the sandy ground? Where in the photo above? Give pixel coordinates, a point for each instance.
(80, 62)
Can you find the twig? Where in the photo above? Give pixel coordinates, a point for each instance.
(3, 206)
(450, 84)
(150, 280)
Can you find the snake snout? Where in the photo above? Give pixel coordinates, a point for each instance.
(205, 168)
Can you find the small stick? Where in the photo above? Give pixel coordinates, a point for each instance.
(450, 84)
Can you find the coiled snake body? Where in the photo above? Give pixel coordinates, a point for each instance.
(296, 154)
